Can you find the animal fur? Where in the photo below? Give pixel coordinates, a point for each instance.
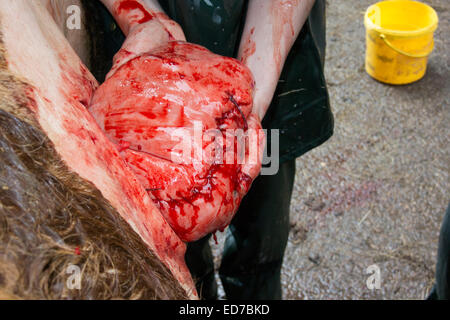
(50, 218)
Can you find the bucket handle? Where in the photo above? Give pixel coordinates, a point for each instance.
(411, 55)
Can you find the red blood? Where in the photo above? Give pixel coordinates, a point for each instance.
(249, 47)
(129, 5)
(282, 12)
(149, 99)
(78, 86)
(29, 92)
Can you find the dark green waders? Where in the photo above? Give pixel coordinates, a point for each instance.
(300, 110)
(441, 289)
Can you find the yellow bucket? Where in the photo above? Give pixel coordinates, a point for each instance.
(399, 39)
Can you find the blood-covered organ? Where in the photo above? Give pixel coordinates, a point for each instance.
(173, 114)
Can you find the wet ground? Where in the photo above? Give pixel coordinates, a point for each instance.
(375, 193)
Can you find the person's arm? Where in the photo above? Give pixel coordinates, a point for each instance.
(271, 29)
(131, 13)
(145, 26)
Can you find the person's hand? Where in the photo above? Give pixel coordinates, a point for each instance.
(145, 26)
(141, 38)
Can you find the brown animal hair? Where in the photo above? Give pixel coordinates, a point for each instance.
(50, 219)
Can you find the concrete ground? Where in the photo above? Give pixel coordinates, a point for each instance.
(375, 193)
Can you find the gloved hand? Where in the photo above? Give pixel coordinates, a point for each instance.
(173, 112)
